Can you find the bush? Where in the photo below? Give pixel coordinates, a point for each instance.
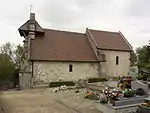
(142, 77)
(140, 91)
(97, 79)
(129, 93)
(60, 83)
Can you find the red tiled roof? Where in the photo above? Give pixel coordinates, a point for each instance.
(57, 45)
(110, 40)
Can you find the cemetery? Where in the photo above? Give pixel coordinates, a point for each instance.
(122, 96)
(126, 95)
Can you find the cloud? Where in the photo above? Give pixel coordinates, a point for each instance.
(13, 14)
(131, 17)
(139, 8)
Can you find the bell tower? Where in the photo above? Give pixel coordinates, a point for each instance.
(28, 30)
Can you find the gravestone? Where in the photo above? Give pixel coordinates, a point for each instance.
(137, 84)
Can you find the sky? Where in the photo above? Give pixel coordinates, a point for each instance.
(131, 17)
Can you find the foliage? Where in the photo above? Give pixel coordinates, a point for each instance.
(129, 93)
(143, 54)
(7, 68)
(60, 83)
(142, 77)
(11, 57)
(8, 49)
(19, 56)
(97, 79)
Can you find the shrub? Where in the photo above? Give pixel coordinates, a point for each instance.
(142, 77)
(129, 93)
(60, 83)
(97, 79)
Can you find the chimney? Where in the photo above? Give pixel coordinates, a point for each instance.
(32, 16)
(32, 24)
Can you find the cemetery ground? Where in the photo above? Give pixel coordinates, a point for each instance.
(46, 101)
(54, 100)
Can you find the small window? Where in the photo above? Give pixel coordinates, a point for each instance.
(70, 68)
(117, 60)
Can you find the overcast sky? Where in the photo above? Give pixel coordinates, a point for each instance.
(131, 17)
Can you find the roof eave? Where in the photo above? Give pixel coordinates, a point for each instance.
(127, 50)
(51, 60)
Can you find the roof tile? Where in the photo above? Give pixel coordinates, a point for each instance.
(61, 46)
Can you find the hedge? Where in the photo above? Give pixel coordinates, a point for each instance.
(60, 83)
(97, 79)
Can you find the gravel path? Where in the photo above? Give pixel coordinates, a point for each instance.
(45, 101)
(31, 102)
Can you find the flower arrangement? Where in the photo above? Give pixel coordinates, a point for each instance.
(91, 95)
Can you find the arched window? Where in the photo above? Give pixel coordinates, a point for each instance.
(117, 60)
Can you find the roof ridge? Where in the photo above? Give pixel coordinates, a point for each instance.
(58, 30)
(90, 37)
(104, 31)
(127, 42)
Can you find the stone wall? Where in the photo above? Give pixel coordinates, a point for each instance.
(110, 68)
(25, 80)
(45, 72)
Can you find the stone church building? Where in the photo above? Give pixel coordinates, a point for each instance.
(53, 55)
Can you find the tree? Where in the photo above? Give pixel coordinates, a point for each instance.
(8, 49)
(11, 57)
(7, 68)
(143, 54)
(19, 56)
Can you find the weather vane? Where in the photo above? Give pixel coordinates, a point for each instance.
(31, 8)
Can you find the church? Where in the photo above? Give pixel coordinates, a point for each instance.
(53, 55)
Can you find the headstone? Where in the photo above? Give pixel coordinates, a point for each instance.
(137, 84)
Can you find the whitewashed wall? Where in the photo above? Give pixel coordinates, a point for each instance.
(52, 71)
(111, 69)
